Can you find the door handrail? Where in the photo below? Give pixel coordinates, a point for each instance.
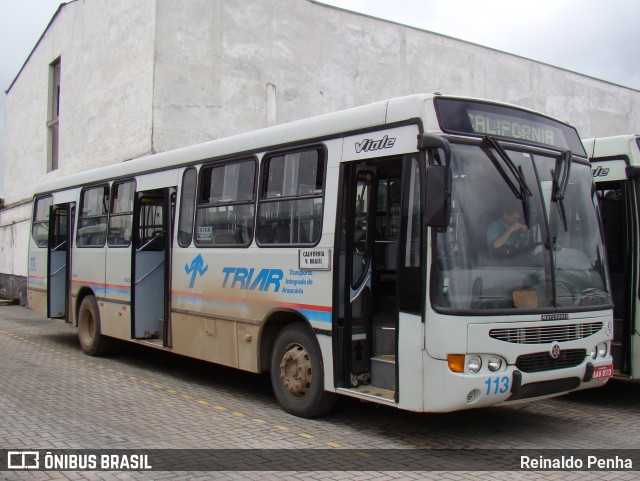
(54, 273)
(149, 273)
(365, 282)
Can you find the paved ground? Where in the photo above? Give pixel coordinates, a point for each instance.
(54, 397)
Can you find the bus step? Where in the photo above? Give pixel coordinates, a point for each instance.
(384, 340)
(383, 372)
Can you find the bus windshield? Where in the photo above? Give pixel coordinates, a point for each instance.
(523, 234)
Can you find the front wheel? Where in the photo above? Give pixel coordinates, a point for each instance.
(92, 342)
(297, 373)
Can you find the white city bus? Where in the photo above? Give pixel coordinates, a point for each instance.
(346, 254)
(616, 172)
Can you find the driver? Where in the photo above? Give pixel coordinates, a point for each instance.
(506, 236)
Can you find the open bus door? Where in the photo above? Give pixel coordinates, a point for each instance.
(367, 277)
(59, 260)
(359, 270)
(618, 204)
(151, 261)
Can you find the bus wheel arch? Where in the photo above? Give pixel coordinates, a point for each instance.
(82, 293)
(271, 327)
(296, 369)
(92, 341)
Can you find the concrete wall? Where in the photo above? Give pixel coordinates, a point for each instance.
(152, 75)
(217, 60)
(106, 51)
(14, 253)
(105, 108)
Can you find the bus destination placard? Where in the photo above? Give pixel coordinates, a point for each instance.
(316, 259)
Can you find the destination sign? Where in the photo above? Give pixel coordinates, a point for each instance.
(505, 126)
(484, 118)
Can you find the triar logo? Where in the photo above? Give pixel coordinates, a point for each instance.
(196, 268)
(244, 278)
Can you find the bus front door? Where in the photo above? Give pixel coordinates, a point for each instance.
(150, 266)
(367, 277)
(359, 244)
(59, 260)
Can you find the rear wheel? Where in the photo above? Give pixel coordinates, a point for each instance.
(297, 373)
(92, 342)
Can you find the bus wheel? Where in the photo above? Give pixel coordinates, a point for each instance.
(297, 373)
(92, 342)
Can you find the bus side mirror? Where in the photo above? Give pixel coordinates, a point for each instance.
(438, 199)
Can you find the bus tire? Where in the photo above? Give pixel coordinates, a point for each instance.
(92, 342)
(297, 373)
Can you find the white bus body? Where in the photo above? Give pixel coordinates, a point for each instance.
(616, 171)
(347, 254)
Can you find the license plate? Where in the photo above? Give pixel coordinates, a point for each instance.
(602, 372)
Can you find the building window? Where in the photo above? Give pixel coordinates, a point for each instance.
(53, 121)
(226, 204)
(290, 210)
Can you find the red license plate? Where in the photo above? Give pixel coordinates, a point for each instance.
(602, 372)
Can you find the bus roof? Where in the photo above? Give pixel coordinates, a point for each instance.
(615, 146)
(323, 126)
(418, 107)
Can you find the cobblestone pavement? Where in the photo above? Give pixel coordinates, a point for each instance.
(52, 396)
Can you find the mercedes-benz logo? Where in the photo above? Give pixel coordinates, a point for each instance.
(609, 329)
(555, 350)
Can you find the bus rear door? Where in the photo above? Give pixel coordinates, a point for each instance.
(150, 265)
(59, 260)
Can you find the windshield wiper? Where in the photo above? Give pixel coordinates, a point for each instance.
(560, 185)
(567, 158)
(521, 191)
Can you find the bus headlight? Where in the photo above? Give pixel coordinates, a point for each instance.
(474, 364)
(594, 352)
(494, 364)
(602, 349)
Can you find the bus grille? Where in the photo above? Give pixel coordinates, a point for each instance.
(542, 361)
(546, 334)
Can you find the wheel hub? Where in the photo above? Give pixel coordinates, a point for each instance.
(295, 370)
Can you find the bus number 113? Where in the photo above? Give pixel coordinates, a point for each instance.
(500, 385)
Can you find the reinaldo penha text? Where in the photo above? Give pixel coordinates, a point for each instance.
(613, 463)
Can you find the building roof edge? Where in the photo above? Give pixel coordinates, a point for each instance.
(60, 7)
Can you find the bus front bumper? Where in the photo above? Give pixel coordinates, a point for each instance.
(512, 385)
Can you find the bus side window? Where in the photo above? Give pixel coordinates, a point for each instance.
(121, 218)
(40, 227)
(226, 204)
(92, 219)
(291, 203)
(187, 207)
